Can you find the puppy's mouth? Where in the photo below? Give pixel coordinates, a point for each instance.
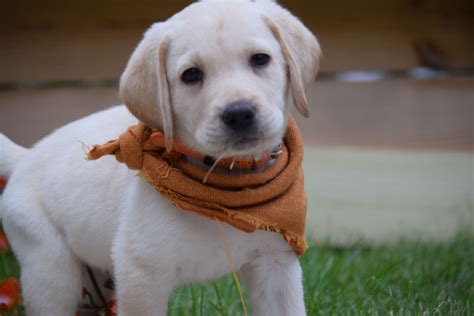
(246, 142)
(247, 145)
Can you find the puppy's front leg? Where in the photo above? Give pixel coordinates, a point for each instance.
(144, 270)
(140, 293)
(274, 285)
(142, 288)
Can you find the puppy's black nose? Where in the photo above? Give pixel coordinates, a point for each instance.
(239, 115)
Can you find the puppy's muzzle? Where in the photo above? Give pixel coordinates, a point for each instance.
(239, 117)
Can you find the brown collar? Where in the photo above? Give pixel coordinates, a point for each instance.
(179, 149)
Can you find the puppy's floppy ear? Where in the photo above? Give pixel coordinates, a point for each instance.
(144, 85)
(300, 49)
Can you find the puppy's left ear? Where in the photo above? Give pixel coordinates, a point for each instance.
(300, 49)
(144, 84)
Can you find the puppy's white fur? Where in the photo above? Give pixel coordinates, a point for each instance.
(61, 211)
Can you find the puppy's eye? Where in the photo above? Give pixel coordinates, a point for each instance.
(192, 76)
(259, 60)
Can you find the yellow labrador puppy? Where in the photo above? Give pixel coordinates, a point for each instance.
(219, 76)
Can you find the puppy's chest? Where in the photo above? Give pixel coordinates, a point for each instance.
(191, 247)
(208, 257)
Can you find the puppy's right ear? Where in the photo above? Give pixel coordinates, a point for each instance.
(144, 84)
(300, 49)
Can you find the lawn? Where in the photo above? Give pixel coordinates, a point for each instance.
(409, 278)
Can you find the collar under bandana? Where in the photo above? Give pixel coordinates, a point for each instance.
(272, 200)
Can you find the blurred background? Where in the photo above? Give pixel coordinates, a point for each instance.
(391, 132)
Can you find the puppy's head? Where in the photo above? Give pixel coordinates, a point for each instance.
(219, 75)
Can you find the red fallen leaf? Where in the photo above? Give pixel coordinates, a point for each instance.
(4, 245)
(10, 294)
(3, 182)
(111, 308)
(85, 293)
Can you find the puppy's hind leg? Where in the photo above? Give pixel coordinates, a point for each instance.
(274, 285)
(50, 272)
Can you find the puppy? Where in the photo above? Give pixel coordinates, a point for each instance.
(61, 212)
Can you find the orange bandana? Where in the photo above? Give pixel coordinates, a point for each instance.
(272, 200)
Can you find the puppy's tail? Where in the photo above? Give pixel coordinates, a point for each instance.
(10, 155)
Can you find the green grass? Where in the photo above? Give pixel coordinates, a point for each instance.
(8, 266)
(405, 279)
